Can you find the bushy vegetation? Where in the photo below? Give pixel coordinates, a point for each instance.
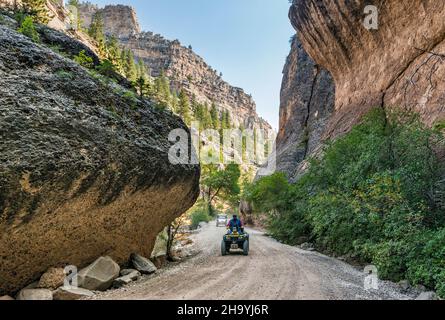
(376, 196)
(28, 29)
(84, 60)
(199, 214)
(34, 8)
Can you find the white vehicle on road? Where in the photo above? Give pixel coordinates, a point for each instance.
(221, 220)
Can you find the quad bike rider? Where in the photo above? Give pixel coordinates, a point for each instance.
(236, 238)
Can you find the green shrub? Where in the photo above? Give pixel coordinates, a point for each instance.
(372, 196)
(20, 16)
(106, 68)
(28, 29)
(84, 60)
(131, 98)
(440, 125)
(198, 216)
(427, 265)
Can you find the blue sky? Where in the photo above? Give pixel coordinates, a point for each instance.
(246, 40)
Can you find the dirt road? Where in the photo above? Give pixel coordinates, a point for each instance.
(271, 271)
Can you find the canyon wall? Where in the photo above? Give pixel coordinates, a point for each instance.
(307, 102)
(185, 68)
(398, 65)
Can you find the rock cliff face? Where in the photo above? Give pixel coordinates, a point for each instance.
(84, 168)
(401, 64)
(186, 69)
(307, 102)
(120, 21)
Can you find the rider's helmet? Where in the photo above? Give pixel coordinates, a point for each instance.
(235, 216)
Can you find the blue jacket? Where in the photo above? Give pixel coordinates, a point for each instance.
(235, 223)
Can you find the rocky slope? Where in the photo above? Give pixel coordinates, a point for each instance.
(398, 65)
(84, 166)
(187, 70)
(307, 102)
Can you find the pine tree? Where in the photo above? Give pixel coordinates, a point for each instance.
(37, 9)
(194, 103)
(96, 31)
(162, 90)
(228, 123)
(28, 29)
(225, 120)
(198, 111)
(141, 78)
(130, 69)
(174, 102)
(206, 117)
(123, 59)
(114, 52)
(184, 107)
(76, 19)
(214, 117)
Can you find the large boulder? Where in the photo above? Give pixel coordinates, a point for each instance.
(143, 265)
(99, 276)
(35, 294)
(398, 64)
(84, 166)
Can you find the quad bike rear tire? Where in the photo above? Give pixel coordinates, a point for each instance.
(246, 248)
(223, 248)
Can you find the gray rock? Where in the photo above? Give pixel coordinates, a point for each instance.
(8, 21)
(143, 265)
(176, 258)
(99, 276)
(71, 293)
(127, 279)
(65, 43)
(6, 298)
(404, 285)
(307, 246)
(125, 272)
(426, 296)
(421, 288)
(35, 294)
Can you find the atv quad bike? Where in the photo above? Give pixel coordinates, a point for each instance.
(235, 240)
